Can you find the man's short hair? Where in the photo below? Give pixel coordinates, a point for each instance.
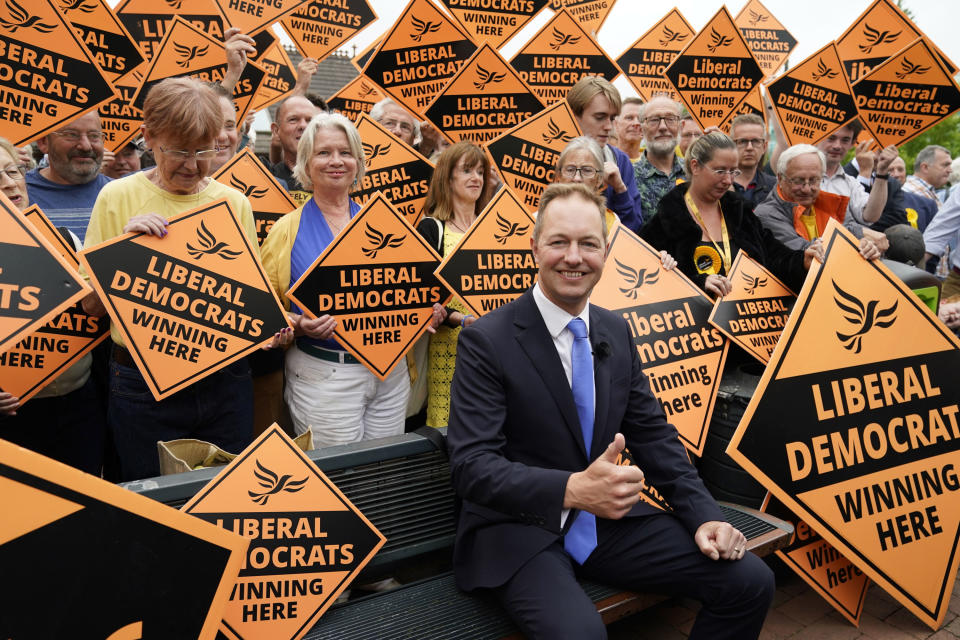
(799, 150)
(747, 118)
(632, 100)
(855, 127)
(376, 113)
(557, 191)
(927, 155)
(587, 89)
(677, 105)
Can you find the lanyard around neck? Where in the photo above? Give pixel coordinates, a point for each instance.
(725, 252)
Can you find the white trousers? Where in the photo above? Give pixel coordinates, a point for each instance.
(344, 402)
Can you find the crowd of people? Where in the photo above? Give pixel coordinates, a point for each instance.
(696, 196)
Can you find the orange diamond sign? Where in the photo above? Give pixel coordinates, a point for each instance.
(527, 155)
(422, 51)
(715, 72)
(558, 56)
(245, 173)
(906, 95)
(755, 312)
(376, 278)
(483, 100)
(646, 60)
(190, 303)
(320, 26)
(769, 40)
(862, 395)
(492, 264)
(493, 23)
(307, 540)
(814, 98)
(681, 353)
(356, 97)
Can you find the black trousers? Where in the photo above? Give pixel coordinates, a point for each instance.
(651, 553)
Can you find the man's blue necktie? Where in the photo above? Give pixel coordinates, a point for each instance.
(581, 538)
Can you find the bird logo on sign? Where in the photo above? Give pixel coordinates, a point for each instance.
(366, 90)
(908, 68)
(20, 18)
(250, 191)
(423, 28)
(560, 38)
(485, 77)
(372, 151)
(209, 246)
(863, 317)
(823, 71)
(669, 35)
(555, 133)
(187, 54)
(756, 17)
(77, 5)
(753, 282)
(508, 229)
(273, 484)
(174, 4)
(380, 241)
(717, 41)
(875, 38)
(635, 278)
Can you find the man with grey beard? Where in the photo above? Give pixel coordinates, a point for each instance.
(73, 178)
(659, 169)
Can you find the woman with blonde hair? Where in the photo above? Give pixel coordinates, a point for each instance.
(456, 196)
(327, 389)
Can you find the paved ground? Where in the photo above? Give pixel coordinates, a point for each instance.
(799, 613)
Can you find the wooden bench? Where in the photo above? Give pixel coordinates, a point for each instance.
(402, 484)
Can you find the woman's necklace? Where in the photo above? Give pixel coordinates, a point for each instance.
(333, 227)
(456, 225)
(725, 252)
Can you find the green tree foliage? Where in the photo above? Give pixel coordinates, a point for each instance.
(946, 134)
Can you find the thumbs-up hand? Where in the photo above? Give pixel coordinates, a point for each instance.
(605, 488)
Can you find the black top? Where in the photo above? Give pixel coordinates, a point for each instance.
(674, 230)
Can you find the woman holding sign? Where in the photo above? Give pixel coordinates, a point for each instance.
(458, 193)
(703, 223)
(64, 420)
(328, 390)
(181, 121)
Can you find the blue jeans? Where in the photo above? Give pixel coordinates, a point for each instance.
(217, 409)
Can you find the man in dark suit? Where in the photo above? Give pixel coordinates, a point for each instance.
(539, 506)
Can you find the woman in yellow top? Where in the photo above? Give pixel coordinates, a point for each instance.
(327, 389)
(455, 199)
(181, 122)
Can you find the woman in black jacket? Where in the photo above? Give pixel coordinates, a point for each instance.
(703, 224)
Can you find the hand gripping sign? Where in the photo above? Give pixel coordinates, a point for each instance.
(855, 426)
(41, 356)
(36, 281)
(376, 278)
(492, 264)
(190, 303)
(755, 312)
(307, 540)
(116, 564)
(681, 353)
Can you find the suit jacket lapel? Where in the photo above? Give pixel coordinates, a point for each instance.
(601, 381)
(535, 340)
